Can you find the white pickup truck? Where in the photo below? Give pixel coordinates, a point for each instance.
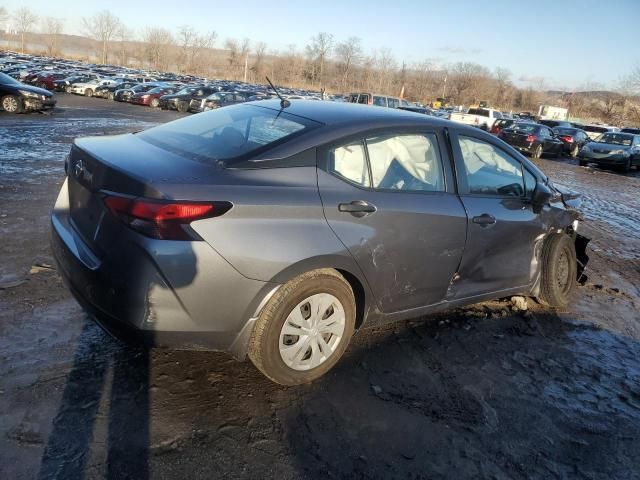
(478, 117)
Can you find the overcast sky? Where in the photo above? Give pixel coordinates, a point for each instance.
(569, 43)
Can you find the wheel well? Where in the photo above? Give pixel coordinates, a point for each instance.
(358, 293)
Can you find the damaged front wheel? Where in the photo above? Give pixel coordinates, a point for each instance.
(559, 271)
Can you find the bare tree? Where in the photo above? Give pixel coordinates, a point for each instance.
(318, 51)
(123, 36)
(349, 53)
(158, 44)
(258, 66)
(24, 20)
(52, 28)
(193, 46)
(102, 27)
(4, 17)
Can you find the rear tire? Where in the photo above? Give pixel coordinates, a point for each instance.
(574, 151)
(270, 343)
(111, 96)
(537, 153)
(12, 104)
(182, 107)
(154, 103)
(559, 271)
(88, 92)
(626, 168)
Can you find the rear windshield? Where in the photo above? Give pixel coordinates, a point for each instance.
(590, 128)
(233, 132)
(524, 128)
(616, 138)
(565, 131)
(479, 111)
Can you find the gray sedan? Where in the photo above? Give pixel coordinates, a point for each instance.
(621, 150)
(275, 230)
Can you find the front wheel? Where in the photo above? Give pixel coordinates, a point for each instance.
(559, 271)
(12, 104)
(305, 328)
(111, 96)
(574, 151)
(626, 168)
(183, 107)
(155, 103)
(88, 92)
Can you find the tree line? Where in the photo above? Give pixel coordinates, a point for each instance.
(325, 62)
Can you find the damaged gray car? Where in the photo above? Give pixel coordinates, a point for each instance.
(275, 230)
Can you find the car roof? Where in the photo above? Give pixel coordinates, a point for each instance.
(336, 113)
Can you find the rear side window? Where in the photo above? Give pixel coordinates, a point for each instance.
(393, 102)
(228, 133)
(363, 99)
(350, 163)
(379, 101)
(490, 171)
(406, 162)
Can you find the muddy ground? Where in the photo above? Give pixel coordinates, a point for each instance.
(481, 392)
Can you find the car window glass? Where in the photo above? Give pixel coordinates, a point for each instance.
(489, 170)
(529, 183)
(393, 102)
(379, 101)
(350, 163)
(406, 162)
(363, 99)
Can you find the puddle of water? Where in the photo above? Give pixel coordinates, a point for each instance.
(38, 148)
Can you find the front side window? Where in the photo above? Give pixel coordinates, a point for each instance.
(350, 163)
(363, 99)
(406, 162)
(489, 170)
(379, 101)
(393, 102)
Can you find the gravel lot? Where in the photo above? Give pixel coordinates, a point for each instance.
(481, 392)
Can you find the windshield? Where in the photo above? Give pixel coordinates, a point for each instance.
(615, 139)
(187, 90)
(228, 133)
(7, 80)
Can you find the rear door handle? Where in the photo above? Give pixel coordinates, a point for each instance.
(484, 219)
(357, 208)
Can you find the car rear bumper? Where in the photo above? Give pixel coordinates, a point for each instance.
(152, 292)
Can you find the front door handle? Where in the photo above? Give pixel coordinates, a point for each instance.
(357, 208)
(484, 220)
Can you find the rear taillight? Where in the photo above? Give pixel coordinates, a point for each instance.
(164, 220)
(567, 139)
(531, 138)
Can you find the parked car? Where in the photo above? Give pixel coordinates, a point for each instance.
(572, 138)
(64, 84)
(533, 139)
(16, 97)
(275, 233)
(217, 100)
(422, 110)
(635, 131)
(151, 97)
(182, 99)
(125, 94)
(594, 131)
(108, 91)
(612, 149)
(47, 80)
(555, 123)
(483, 118)
(377, 100)
(87, 88)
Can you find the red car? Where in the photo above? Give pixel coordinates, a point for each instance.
(45, 80)
(152, 97)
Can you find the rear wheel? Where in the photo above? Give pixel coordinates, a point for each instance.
(67, 89)
(183, 107)
(537, 153)
(88, 92)
(305, 328)
(110, 96)
(155, 103)
(574, 151)
(559, 271)
(12, 104)
(626, 167)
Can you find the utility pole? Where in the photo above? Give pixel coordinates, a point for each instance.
(444, 88)
(246, 64)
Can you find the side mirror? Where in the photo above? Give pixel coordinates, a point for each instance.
(542, 195)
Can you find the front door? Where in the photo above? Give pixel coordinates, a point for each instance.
(503, 229)
(389, 199)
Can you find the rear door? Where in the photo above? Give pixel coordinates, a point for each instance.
(390, 199)
(503, 229)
